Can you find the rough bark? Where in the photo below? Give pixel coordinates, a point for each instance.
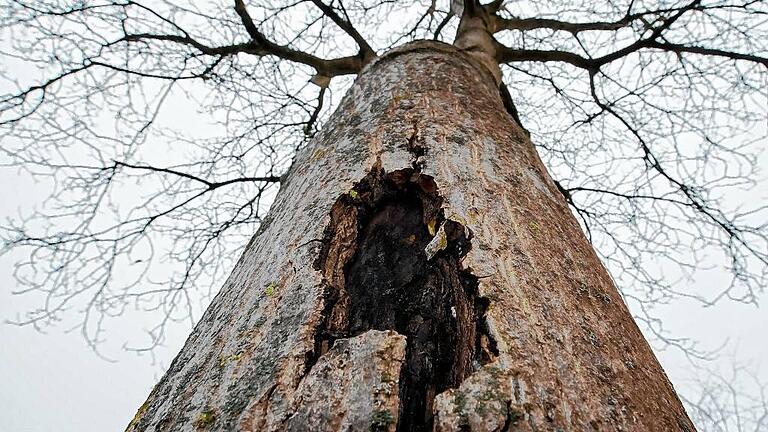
(419, 269)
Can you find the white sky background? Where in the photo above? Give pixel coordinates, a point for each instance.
(54, 382)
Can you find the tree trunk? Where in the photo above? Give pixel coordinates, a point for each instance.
(418, 270)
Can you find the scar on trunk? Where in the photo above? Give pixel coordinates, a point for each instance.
(378, 276)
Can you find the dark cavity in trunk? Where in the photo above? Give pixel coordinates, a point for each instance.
(378, 277)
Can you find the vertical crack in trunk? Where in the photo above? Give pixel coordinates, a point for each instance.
(378, 277)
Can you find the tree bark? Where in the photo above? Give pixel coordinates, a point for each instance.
(418, 270)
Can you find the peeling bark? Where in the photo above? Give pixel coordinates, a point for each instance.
(420, 241)
(353, 386)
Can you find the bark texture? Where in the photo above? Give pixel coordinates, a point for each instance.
(418, 270)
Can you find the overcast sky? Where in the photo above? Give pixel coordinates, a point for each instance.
(55, 382)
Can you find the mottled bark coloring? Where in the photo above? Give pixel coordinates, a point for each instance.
(418, 270)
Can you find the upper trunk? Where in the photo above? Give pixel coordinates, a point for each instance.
(418, 269)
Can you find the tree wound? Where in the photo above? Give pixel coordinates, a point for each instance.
(378, 277)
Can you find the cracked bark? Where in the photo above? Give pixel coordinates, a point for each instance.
(381, 276)
(425, 273)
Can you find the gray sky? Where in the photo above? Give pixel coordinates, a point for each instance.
(55, 382)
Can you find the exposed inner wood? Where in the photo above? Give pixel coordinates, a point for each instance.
(380, 278)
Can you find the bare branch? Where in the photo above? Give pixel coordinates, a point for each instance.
(366, 52)
(330, 68)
